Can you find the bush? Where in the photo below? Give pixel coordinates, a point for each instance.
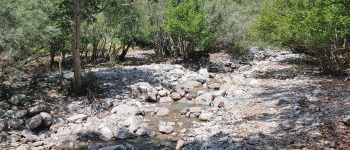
(319, 28)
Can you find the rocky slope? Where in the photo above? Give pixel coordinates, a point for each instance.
(268, 103)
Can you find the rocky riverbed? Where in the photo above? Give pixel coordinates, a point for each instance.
(270, 102)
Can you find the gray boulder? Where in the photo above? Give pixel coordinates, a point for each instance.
(144, 131)
(126, 110)
(47, 119)
(34, 122)
(106, 134)
(145, 91)
(36, 109)
(30, 136)
(165, 99)
(2, 124)
(176, 96)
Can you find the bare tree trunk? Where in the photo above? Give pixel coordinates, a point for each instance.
(60, 64)
(124, 52)
(52, 57)
(76, 44)
(94, 51)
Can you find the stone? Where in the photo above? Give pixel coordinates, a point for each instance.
(114, 147)
(165, 127)
(106, 134)
(201, 79)
(2, 124)
(176, 96)
(144, 131)
(2, 112)
(204, 73)
(38, 143)
(18, 99)
(219, 93)
(123, 134)
(36, 109)
(205, 116)
(47, 119)
(34, 122)
(16, 114)
(219, 102)
(15, 123)
(163, 111)
(125, 110)
(30, 136)
(195, 109)
(189, 96)
(14, 138)
(215, 86)
(23, 147)
(164, 93)
(204, 99)
(184, 111)
(180, 143)
(165, 99)
(77, 117)
(145, 91)
(191, 85)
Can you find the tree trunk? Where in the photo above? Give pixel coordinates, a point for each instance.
(60, 64)
(52, 57)
(76, 44)
(94, 51)
(124, 52)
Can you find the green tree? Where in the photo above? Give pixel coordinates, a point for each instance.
(25, 27)
(185, 22)
(320, 28)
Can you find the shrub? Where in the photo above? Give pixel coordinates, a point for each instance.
(319, 28)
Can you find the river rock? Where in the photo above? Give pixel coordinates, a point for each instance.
(16, 114)
(191, 85)
(34, 122)
(123, 134)
(144, 131)
(36, 109)
(164, 93)
(145, 91)
(77, 118)
(2, 124)
(176, 96)
(30, 136)
(165, 99)
(219, 93)
(126, 110)
(47, 119)
(180, 143)
(106, 134)
(165, 127)
(162, 111)
(204, 99)
(23, 147)
(215, 86)
(205, 116)
(114, 147)
(18, 99)
(14, 123)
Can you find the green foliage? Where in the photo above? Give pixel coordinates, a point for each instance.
(229, 21)
(25, 26)
(186, 19)
(316, 27)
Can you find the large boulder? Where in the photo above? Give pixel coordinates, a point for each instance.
(145, 91)
(176, 96)
(205, 116)
(144, 131)
(34, 122)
